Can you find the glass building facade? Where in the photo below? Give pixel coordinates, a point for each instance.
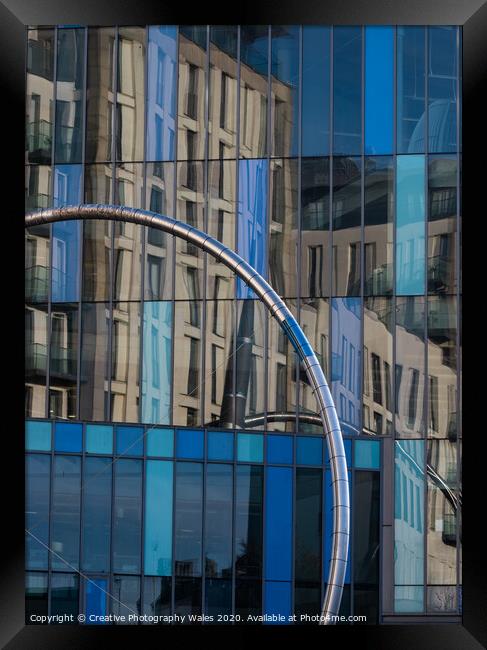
(173, 463)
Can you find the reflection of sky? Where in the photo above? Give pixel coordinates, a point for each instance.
(379, 73)
(346, 362)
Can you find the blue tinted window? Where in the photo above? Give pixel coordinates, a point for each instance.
(66, 235)
(96, 600)
(218, 597)
(189, 443)
(157, 363)
(307, 524)
(161, 92)
(65, 514)
(280, 450)
(37, 473)
(408, 599)
(316, 91)
(130, 441)
(277, 600)
(250, 447)
(249, 487)
(99, 439)
(285, 89)
(252, 218)
(38, 436)
(160, 442)
(442, 89)
(278, 523)
(409, 514)
(158, 518)
(68, 436)
(97, 499)
(347, 443)
(188, 519)
(367, 454)
(127, 515)
(346, 362)
(309, 451)
(410, 225)
(347, 90)
(220, 445)
(218, 520)
(411, 102)
(328, 525)
(379, 81)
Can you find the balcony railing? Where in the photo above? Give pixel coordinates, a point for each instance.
(39, 136)
(36, 283)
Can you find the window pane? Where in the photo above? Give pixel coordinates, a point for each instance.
(65, 516)
(377, 388)
(36, 335)
(378, 222)
(130, 441)
(315, 91)
(127, 516)
(68, 436)
(411, 102)
(277, 600)
(347, 90)
(192, 81)
(94, 360)
(379, 83)
(190, 443)
(69, 95)
(97, 499)
(124, 398)
(63, 367)
(130, 107)
(219, 362)
(442, 224)
(279, 450)
(37, 473)
(308, 533)
(222, 95)
(99, 439)
(254, 89)
(250, 447)
(38, 194)
(157, 596)
(65, 595)
(442, 89)
(410, 367)
(157, 363)
(99, 94)
(218, 521)
(218, 599)
(161, 92)
(40, 95)
(38, 436)
(126, 601)
(36, 603)
(220, 445)
(346, 362)
(188, 519)
(315, 227)
(346, 226)
(187, 596)
(410, 227)
(283, 245)
(285, 58)
(187, 363)
(249, 362)
(248, 597)
(159, 442)
(252, 218)
(248, 523)
(96, 599)
(309, 451)
(158, 518)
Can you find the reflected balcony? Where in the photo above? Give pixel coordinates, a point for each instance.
(379, 283)
(35, 359)
(449, 533)
(36, 283)
(38, 143)
(439, 274)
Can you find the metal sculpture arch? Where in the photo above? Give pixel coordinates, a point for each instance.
(278, 309)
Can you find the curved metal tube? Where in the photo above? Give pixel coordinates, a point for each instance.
(276, 306)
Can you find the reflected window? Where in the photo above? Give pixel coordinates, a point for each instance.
(40, 95)
(411, 101)
(347, 90)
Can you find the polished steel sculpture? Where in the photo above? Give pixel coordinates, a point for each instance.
(276, 306)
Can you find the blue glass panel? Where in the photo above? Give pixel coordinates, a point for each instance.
(346, 362)
(252, 218)
(37, 473)
(158, 518)
(250, 447)
(277, 601)
(280, 450)
(409, 513)
(97, 502)
(65, 513)
(68, 436)
(285, 87)
(309, 451)
(347, 443)
(278, 523)
(442, 89)
(328, 525)
(130, 441)
(66, 235)
(367, 454)
(160, 442)
(218, 520)
(316, 91)
(189, 443)
(127, 516)
(161, 92)
(411, 102)
(157, 363)
(410, 225)
(96, 600)
(408, 599)
(347, 90)
(379, 88)
(99, 439)
(220, 445)
(38, 436)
